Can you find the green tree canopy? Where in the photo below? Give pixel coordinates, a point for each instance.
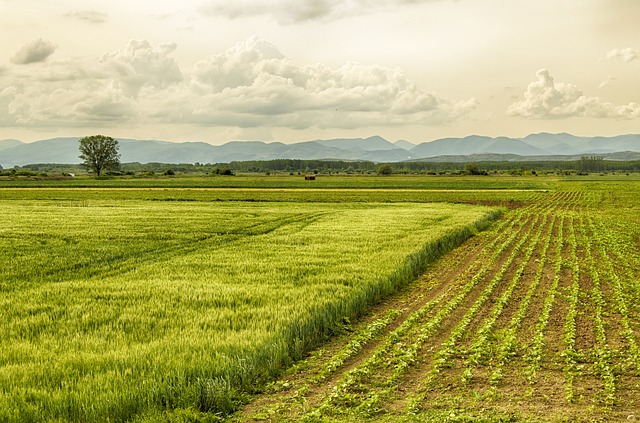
(472, 168)
(99, 153)
(385, 169)
(591, 164)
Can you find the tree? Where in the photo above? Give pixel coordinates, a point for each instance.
(385, 169)
(472, 168)
(591, 164)
(99, 153)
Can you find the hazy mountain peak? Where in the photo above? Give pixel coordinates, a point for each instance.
(404, 144)
(9, 143)
(373, 143)
(374, 148)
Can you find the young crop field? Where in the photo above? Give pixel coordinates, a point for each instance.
(536, 319)
(115, 307)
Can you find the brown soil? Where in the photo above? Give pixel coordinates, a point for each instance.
(542, 397)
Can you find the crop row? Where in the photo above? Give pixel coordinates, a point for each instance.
(545, 314)
(401, 347)
(444, 358)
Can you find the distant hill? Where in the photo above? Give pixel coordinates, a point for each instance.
(374, 143)
(5, 144)
(541, 146)
(569, 144)
(404, 144)
(65, 150)
(493, 157)
(473, 145)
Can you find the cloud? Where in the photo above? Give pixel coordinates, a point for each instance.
(547, 99)
(90, 91)
(139, 64)
(607, 82)
(250, 85)
(294, 11)
(237, 66)
(73, 105)
(258, 85)
(88, 16)
(34, 52)
(7, 96)
(625, 54)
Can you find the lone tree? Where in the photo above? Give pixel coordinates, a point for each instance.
(385, 169)
(99, 153)
(472, 168)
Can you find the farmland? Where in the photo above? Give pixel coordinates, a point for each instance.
(174, 300)
(118, 308)
(536, 319)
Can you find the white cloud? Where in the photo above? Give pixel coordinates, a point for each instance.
(625, 54)
(139, 64)
(88, 16)
(34, 52)
(238, 66)
(250, 85)
(69, 104)
(259, 86)
(547, 99)
(293, 11)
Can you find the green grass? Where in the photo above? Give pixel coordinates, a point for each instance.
(86, 196)
(333, 189)
(277, 181)
(117, 307)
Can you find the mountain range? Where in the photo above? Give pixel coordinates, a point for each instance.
(543, 146)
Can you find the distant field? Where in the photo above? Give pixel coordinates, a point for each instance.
(505, 190)
(296, 181)
(118, 308)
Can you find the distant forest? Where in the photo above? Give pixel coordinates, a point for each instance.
(587, 164)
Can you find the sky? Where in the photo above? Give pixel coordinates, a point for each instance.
(289, 71)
